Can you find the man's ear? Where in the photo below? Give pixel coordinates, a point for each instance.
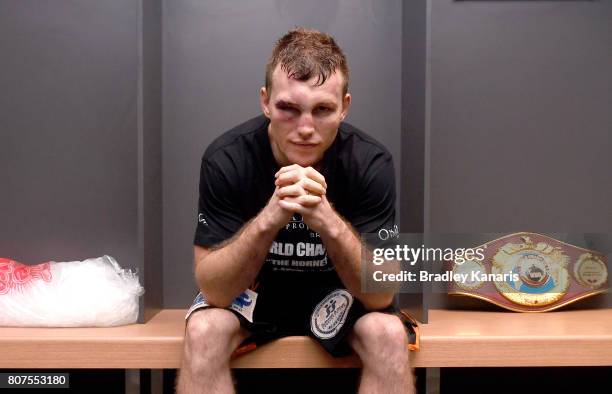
(346, 104)
(264, 101)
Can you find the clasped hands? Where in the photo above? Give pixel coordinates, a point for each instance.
(302, 190)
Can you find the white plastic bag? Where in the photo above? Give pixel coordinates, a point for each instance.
(91, 293)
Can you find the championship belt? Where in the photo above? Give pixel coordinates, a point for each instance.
(527, 272)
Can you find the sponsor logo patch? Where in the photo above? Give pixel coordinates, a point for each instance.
(199, 302)
(330, 314)
(245, 304)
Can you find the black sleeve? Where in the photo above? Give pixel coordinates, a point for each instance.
(374, 205)
(219, 215)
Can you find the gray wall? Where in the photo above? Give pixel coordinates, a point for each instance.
(80, 133)
(520, 133)
(68, 116)
(519, 129)
(214, 54)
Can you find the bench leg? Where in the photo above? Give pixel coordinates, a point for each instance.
(139, 380)
(432, 381)
(132, 381)
(157, 381)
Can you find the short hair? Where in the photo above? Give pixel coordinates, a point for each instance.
(305, 53)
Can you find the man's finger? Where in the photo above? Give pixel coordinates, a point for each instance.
(287, 178)
(287, 168)
(313, 187)
(306, 201)
(291, 206)
(291, 191)
(315, 176)
(294, 176)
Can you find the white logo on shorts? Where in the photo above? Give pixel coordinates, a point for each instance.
(330, 314)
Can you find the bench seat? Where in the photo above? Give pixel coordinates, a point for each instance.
(450, 339)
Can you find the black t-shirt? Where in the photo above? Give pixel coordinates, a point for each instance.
(237, 181)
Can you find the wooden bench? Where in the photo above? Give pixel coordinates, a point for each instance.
(450, 339)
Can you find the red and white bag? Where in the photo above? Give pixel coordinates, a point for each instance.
(95, 292)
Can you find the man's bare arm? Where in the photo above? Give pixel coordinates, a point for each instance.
(340, 239)
(225, 271)
(344, 248)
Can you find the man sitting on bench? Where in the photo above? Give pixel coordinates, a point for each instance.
(283, 197)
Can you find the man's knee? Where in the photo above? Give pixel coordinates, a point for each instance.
(379, 335)
(212, 332)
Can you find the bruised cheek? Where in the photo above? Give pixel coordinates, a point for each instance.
(284, 124)
(285, 117)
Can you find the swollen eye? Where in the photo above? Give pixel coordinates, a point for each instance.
(286, 108)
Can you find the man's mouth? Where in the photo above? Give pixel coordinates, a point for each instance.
(305, 145)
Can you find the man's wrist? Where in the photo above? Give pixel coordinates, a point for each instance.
(335, 227)
(264, 225)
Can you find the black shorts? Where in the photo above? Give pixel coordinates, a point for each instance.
(327, 315)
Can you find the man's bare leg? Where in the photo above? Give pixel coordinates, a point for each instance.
(381, 342)
(210, 338)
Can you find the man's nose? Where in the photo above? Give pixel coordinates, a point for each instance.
(306, 126)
